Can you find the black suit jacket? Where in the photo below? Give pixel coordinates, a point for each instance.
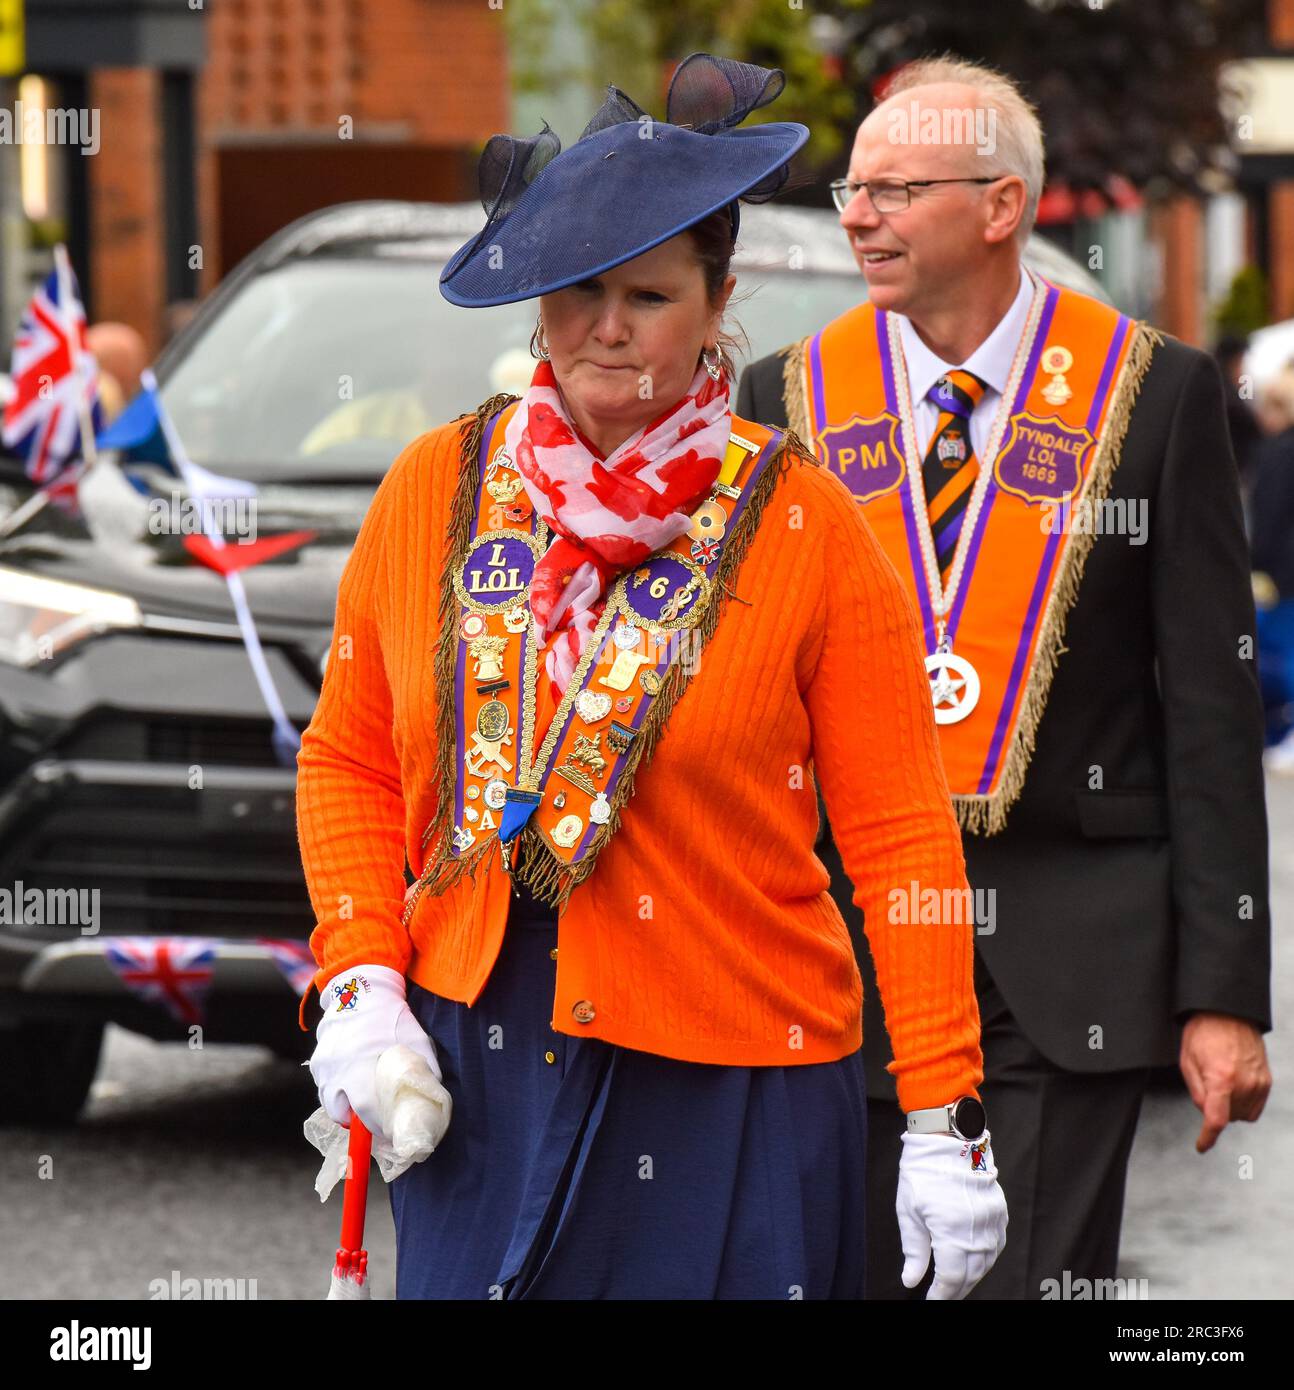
(1130, 880)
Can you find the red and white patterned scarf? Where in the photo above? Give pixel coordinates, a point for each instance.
(608, 514)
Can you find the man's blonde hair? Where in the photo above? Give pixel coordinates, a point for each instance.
(1276, 398)
(1019, 132)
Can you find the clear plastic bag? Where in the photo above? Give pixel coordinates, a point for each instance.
(414, 1111)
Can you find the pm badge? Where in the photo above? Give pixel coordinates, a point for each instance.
(865, 455)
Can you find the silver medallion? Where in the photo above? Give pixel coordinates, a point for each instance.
(954, 686)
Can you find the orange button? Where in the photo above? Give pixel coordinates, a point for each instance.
(583, 1011)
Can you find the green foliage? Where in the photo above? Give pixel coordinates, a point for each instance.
(44, 233)
(635, 43)
(1244, 310)
(1129, 87)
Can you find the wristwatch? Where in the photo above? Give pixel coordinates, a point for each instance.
(965, 1118)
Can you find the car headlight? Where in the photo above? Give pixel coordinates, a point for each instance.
(41, 617)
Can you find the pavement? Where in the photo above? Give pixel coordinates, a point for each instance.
(1217, 1225)
(186, 1164)
(191, 1164)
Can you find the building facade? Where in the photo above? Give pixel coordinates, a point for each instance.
(221, 121)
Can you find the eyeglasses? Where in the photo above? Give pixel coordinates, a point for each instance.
(890, 195)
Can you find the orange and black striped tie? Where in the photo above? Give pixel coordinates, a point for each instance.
(950, 465)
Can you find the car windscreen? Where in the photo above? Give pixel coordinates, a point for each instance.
(330, 366)
(335, 365)
(774, 308)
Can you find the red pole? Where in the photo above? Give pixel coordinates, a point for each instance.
(352, 1259)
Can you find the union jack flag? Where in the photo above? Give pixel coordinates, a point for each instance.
(52, 372)
(173, 971)
(705, 551)
(293, 958)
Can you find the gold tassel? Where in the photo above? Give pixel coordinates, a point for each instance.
(988, 814)
(793, 389)
(441, 869)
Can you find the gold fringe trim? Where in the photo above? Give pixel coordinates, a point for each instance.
(795, 390)
(552, 879)
(986, 815)
(441, 870)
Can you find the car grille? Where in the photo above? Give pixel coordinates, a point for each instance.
(163, 864)
(241, 742)
(249, 890)
(243, 886)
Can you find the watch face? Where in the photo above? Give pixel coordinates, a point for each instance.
(969, 1118)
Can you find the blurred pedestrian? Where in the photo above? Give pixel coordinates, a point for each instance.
(1272, 512)
(122, 354)
(662, 1097)
(179, 314)
(1275, 413)
(1077, 677)
(1242, 424)
(1271, 544)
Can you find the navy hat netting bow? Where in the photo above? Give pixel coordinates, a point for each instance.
(554, 217)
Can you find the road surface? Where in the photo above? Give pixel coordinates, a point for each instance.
(191, 1164)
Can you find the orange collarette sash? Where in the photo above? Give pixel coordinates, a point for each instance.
(550, 800)
(994, 639)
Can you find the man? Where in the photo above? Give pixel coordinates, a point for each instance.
(1096, 696)
(122, 354)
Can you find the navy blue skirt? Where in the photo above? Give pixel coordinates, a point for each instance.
(576, 1168)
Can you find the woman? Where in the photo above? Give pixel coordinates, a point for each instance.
(620, 953)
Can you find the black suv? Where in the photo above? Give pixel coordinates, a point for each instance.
(149, 872)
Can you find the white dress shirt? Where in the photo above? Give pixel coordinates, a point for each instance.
(991, 362)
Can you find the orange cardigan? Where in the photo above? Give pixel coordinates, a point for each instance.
(705, 931)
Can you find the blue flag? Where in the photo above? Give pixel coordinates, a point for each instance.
(137, 432)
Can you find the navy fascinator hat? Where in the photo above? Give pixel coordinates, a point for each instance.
(627, 184)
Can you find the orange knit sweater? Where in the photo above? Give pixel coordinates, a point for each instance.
(705, 931)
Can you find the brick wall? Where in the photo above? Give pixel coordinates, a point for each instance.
(424, 75)
(433, 71)
(1280, 226)
(126, 208)
(1178, 228)
(1280, 23)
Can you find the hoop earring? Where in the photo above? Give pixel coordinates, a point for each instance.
(714, 367)
(538, 343)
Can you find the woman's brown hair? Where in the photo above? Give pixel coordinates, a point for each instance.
(712, 238)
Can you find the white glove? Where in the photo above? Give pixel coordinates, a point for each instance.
(949, 1198)
(413, 1107)
(364, 1014)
